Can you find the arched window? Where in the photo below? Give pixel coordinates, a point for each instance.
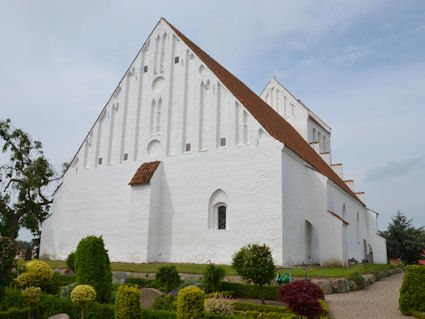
(221, 217)
(314, 134)
(217, 210)
(324, 143)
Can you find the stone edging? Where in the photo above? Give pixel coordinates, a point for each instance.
(341, 285)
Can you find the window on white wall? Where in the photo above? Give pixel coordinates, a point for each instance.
(218, 207)
(319, 137)
(221, 217)
(324, 143)
(314, 135)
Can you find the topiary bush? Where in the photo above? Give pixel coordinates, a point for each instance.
(70, 261)
(190, 303)
(92, 266)
(83, 295)
(8, 252)
(38, 273)
(219, 305)
(32, 296)
(127, 303)
(255, 263)
(213, 275)
(168, 278)
(412, 291)
(302, 298)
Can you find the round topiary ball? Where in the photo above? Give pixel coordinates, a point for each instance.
(32, 294)
(39, 273)
(190, 303)
(83, 294)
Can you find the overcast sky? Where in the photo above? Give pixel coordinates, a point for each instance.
(359, 65)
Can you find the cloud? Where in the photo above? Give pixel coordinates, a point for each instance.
(396, 168)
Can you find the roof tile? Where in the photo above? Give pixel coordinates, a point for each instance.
(275, 125)
(144, 173)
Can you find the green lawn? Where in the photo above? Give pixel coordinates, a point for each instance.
(199, 268)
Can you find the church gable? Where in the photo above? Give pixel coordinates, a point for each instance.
(168, 104)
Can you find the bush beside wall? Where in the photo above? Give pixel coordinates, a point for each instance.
(249, 291)
(412, 291)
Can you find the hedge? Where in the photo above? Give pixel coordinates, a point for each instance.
(247, 306)
(50, 305)
(412, 291)
(143, 282)
(162, 314)
(249, 291)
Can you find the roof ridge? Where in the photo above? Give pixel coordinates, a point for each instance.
(274, 124)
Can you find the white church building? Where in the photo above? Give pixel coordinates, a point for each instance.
(186, 164)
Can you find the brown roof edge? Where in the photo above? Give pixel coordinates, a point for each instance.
(339, 217)
(349, 180)
(272, 122)
(359, 193)
(337, 164)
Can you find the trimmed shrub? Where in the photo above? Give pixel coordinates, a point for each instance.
(302, 298)
(127, 303)
(14, 313)
(248, 306)
(412, 291)
(38, 274)
(158, 314)
(93, 268)
(83, 295)
(31, 295)
(190, 303)
(70, 261)
(7, 257)
(219, 305)
(213, 275)
(249, 291)
(255, 263)
(168, 303)
(168, 278)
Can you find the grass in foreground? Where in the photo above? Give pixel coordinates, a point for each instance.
(199, 268)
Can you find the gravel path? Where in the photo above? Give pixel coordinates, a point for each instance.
(379, 300)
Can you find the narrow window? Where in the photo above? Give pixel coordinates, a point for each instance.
(145, 69)
(188, 147)
(324, 143)
(314, 134)
(223, 141)
(222, 217)
(125, 156)
(176, 60)
(100, 161)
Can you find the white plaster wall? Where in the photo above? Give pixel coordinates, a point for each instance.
(304, 198)
(271, 192)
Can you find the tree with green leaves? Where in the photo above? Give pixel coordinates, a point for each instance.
(255, 263)
(25, 178)
(403, 240)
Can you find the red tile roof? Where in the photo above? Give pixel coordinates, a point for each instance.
(144, 173)
(275, 125)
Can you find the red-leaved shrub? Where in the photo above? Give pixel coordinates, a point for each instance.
(302, 298)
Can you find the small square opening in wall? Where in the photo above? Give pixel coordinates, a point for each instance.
(100, 161)
(176, 60)
(223, 141)
(125, 156)
(145, 69)
(188, 147)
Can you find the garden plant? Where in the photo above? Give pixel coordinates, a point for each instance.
(83, 295)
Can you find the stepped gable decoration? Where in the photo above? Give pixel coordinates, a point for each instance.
(144, 173)
(274, 124)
